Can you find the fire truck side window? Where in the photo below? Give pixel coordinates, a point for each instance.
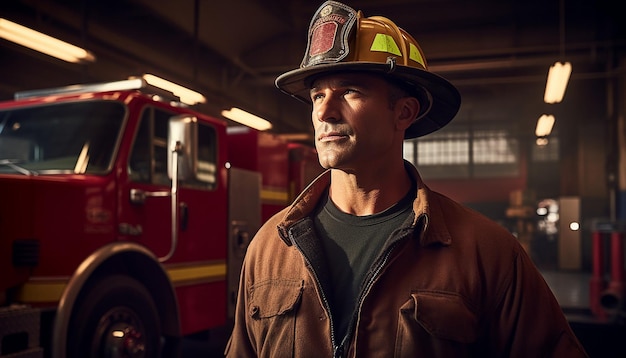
(148, 160)
(207, 156)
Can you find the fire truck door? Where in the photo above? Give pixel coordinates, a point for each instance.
(201, 200)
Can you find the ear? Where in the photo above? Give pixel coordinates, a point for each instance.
(407, 109)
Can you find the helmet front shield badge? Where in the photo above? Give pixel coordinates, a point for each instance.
(328, 35)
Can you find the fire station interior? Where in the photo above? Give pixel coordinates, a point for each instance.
(562, 193)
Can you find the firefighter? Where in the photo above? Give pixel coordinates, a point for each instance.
(368, 261)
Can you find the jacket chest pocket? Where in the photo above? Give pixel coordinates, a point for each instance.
(273, 298)
(272, 314)
(437, 324)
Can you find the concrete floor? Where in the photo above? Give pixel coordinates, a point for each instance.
(601, 337)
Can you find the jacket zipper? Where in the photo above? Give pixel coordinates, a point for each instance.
(366, 289)
(336, 349)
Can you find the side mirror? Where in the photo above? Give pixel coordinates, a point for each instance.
(182, 138)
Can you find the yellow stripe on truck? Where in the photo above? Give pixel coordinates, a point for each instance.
(272, 195)
(41, 290)
(197, 273)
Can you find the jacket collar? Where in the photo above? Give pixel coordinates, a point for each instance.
(427, 208)
(428, 214)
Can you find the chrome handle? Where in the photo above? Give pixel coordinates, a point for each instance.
(138, 196)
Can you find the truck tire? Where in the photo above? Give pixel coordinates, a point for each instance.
(116, 318)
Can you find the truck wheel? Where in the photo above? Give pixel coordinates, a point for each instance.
(116, 318)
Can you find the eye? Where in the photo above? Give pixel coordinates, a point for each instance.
(351, 91)
(316, 95)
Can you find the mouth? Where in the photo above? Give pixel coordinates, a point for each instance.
(331, 136)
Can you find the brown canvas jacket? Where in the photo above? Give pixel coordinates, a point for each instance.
(450, 283)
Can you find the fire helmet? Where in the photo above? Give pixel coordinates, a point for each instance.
(340, 39)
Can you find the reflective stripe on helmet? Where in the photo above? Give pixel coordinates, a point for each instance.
(385, 43)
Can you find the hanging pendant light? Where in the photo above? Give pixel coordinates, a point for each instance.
(558, 77)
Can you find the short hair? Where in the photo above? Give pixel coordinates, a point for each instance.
(396, 93)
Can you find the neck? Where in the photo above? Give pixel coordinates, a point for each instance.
(369, 192)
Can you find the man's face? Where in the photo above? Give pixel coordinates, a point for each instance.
(353, 122)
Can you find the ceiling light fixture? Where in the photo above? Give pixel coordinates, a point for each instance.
(559, 73)
(185, 95)
(544, 125)
(43, 43)
(558, 76)
(247, 119)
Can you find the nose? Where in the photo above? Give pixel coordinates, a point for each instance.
(326, 110)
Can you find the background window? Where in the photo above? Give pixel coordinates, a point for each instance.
(463, 152)
(547, 152)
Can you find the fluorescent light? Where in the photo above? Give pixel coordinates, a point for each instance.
(183, 93)
(43, 43)
(558, 76)
(544, 125)
(248, 119)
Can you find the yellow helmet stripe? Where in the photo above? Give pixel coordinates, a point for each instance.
(415, 55)
(385, 43)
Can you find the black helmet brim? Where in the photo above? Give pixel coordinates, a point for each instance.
(443, 98)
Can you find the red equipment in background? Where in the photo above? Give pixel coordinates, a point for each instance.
(607, 288)
(286, 167)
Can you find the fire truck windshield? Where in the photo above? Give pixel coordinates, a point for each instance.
(60, 138)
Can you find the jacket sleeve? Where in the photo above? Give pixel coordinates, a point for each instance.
(529, 321)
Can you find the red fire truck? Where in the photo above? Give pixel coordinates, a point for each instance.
(124, 218)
